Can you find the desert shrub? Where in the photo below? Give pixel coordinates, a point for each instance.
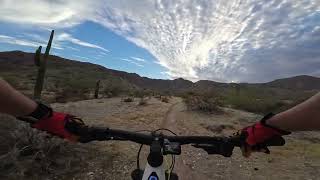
(141, 93)
(113, 90)
(116, 87)
(203, 102)
(168, 93)
(254, 104)
(158, 96)
(143, 102)
(32, 154)
(128, 99)
(80, 84)
(108, 95)
(165, 99)
(68, 94)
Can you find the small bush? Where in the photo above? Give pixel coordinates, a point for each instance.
(203, 103)
(165, 99)
(128, 99)
(143, 102)
(66, 95)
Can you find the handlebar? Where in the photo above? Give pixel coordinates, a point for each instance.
(211, 144)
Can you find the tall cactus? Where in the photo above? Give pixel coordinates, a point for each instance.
(96, 92)
(42, 66)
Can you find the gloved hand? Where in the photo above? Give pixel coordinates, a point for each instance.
(259, 135)
(55, 124)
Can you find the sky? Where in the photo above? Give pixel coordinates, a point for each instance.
(226, 41)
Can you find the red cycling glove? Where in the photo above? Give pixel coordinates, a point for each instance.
(43, 118)
(260, 132)
(55, 124)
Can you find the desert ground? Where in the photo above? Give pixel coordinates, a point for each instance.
(26, 153)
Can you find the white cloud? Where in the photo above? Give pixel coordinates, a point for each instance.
(138, 59)
(125, 59)
(132, 62)
(73, 48)
(103, 53)
(236, 40)
(23, 42)
(68, 37)
(217, 40)
(13, 40)
(47, 13)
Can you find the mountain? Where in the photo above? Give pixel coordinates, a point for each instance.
(297, 83)
(68, 78)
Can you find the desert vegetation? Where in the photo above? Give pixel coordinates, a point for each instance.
(165, 99)
(205, 102)
(143, 101)
(29, 153)
(68, 80)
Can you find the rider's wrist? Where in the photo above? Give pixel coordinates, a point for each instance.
(42, 111)
(267, 121)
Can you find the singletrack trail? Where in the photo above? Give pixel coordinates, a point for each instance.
(169, 122)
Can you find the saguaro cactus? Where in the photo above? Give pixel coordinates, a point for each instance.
(41, 62)
(96, 91)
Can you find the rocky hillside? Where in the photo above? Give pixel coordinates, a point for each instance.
(299, 82)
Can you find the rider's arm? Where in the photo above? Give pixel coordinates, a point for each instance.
(303, 117)
(15, 103)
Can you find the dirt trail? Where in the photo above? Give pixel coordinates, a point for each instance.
(169, 122)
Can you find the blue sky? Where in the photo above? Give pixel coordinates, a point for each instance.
(117, 53)
(228, 41)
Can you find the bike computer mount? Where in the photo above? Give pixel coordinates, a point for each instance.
(158, 148)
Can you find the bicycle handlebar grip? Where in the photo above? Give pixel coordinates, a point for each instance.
(224, 148)
(275, 141)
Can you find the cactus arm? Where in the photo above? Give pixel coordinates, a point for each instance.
(42, 69)
(46, 55)
(37, 56)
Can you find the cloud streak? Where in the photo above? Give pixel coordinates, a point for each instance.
(65, 37)
(138, 59)
(16, 41)
(24, 42)
(236, 40)
(131, 61)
